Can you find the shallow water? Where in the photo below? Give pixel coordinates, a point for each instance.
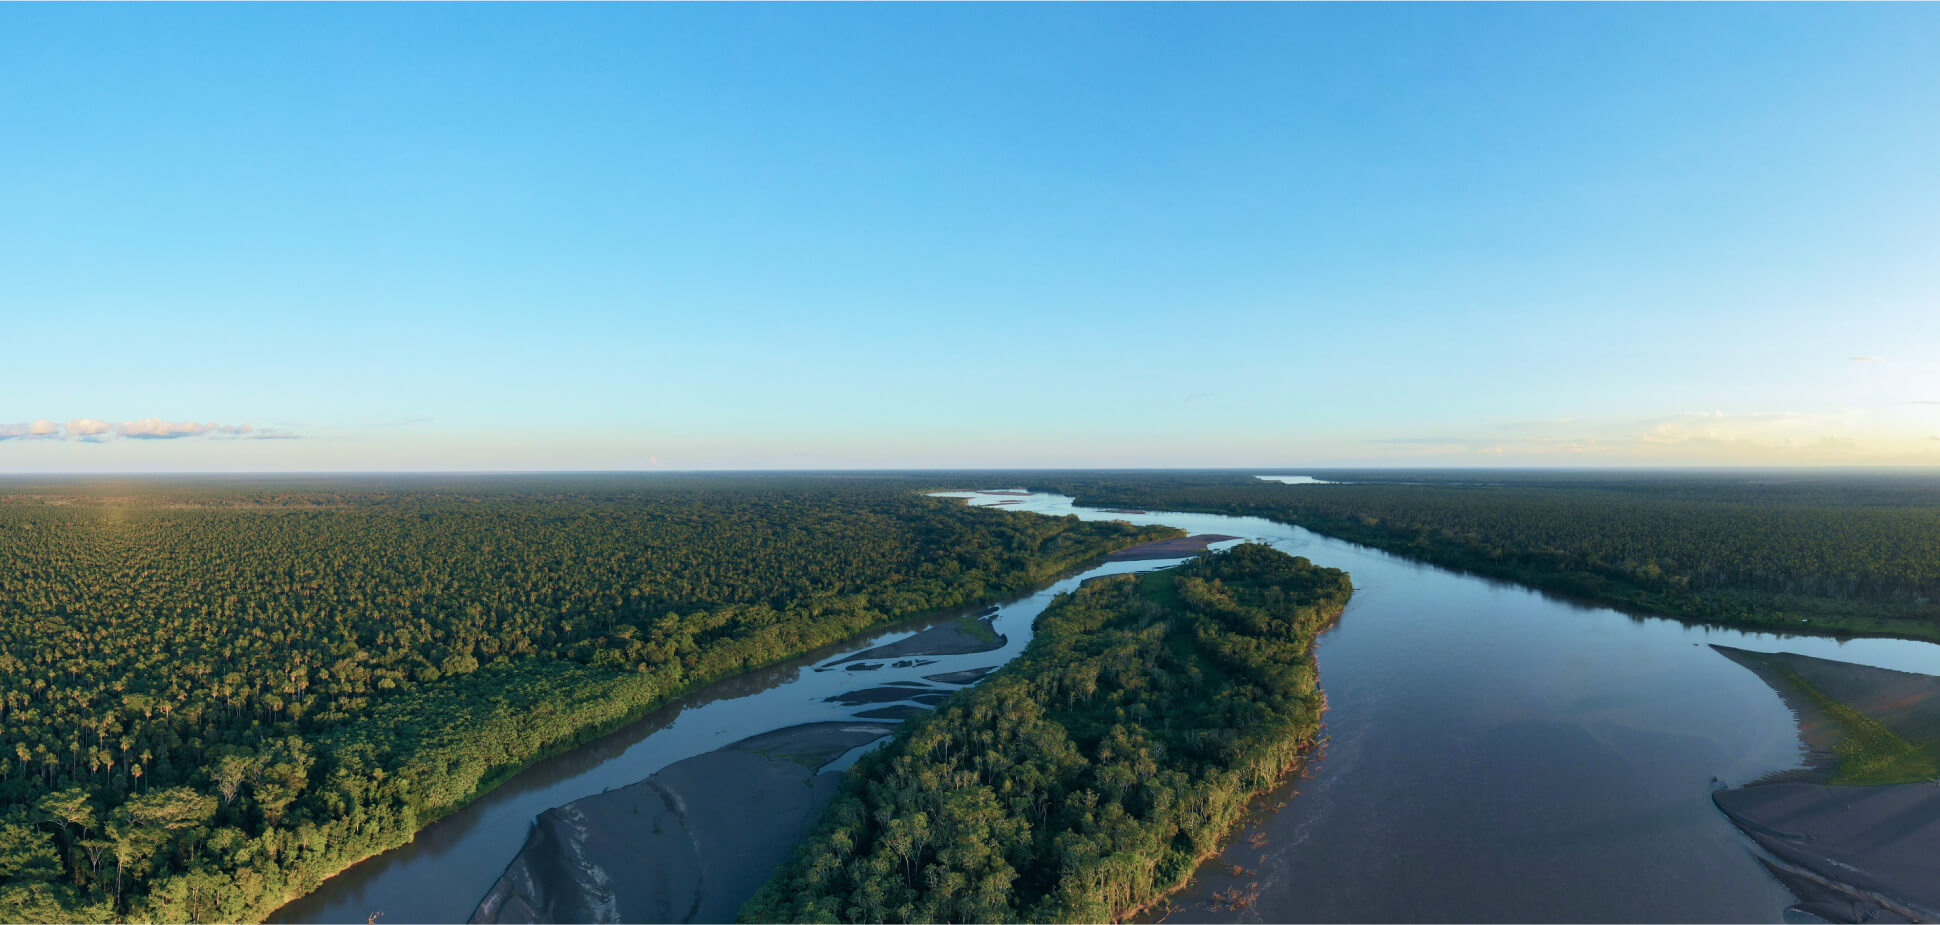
(441, 875)
(1495, 754)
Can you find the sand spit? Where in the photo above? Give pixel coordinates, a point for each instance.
(1879, 847)
(896, 713)
(953, 638)
(1907, 703)
(886, 694)
(689, 844)
(1850, 854)
(1175, 548)
(965, 676)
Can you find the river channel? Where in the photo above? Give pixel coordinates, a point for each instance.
(1493, 753)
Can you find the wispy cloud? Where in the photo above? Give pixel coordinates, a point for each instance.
(1539, 424)
(38, 430)
(95, 430)
(158, 429)
(1861, 358)
(1691, 437)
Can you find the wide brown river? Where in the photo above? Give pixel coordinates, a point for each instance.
(1494, 754)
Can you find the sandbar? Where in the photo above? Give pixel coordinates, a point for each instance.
(965, 676)
(897, 713)
(689, 844)
(1177, 547)
(1851, 854)
(872, 695)
(1879, 846)
(957, 637)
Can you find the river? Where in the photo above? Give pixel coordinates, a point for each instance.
(1494, 753)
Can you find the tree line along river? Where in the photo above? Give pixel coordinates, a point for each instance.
(1493, 753)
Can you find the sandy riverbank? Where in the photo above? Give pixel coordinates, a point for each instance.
(694, 841)
(1877, 849)
(689, 844)
(960, 637)
(1851, 854)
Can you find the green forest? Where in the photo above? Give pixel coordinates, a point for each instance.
(1089, 777)
(1846, 552)
(217, 693)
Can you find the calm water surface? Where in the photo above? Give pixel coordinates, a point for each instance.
(1494, 754)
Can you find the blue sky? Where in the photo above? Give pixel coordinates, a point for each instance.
(611, 236)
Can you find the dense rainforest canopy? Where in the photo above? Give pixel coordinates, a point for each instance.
(215, 693)
(1089, 776)
(1855, 552)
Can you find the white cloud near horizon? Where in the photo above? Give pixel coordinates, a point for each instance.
(38, 429)
(158, 429)
(1692, 437)
(95, 430)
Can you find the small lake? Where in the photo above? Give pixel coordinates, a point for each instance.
(1494, 754)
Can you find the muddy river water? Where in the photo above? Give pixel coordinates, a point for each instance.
(1493, 753)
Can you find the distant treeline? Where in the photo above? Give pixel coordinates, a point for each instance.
(1092, 774)
(1846, 551)
(213, 695)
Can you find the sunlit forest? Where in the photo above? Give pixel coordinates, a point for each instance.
(215, 693)
(1854, 552)
(1090, 775)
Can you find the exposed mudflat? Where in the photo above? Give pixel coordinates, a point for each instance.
(689, 844)
(1876, 847)
(960, 677)
(884, 694)
(896, 713)
(1851, 854)
(1175, 548)
(947, 639)
(1907, 703)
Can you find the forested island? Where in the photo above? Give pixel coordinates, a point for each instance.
(219, 692)
(1090, 776)
(1851, 553)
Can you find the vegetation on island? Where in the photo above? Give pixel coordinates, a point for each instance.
(215, 694)
(1870, 753)
(1827, 552)
(1874, 726)
(1091, 775)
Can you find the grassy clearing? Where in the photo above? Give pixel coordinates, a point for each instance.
(977, 628)
(1870, 753)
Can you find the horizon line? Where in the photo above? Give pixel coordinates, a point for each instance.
(1882, 467)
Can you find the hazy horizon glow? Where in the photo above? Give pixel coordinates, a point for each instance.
(600, 237)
